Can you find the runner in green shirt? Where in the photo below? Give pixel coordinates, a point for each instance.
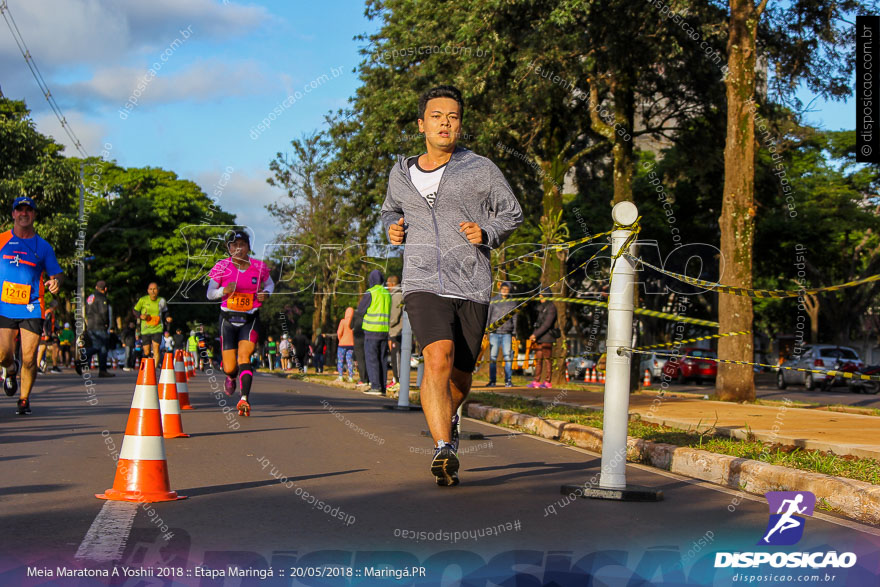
(152, 311)
(272, 351)
(65, 339)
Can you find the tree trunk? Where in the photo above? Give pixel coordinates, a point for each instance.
(812, 304)
(624, 165)
(554, 270)
(736, 382)
(624, 170)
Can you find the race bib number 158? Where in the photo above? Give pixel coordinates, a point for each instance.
(240, 302)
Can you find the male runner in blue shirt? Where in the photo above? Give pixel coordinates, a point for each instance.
(25, 261)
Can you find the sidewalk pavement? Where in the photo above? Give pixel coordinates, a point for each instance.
(837, 432)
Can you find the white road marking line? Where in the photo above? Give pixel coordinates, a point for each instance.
(106, 538)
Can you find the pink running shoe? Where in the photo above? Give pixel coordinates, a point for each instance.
(533, 385)
(546, 385)
(229, 386)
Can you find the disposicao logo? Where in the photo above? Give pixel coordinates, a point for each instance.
(785, 528)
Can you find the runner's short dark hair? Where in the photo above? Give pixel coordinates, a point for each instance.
(440, 92)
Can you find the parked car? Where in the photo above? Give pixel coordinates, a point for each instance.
(698, 369)
(577, 366)
(821, 357)
(653, 363)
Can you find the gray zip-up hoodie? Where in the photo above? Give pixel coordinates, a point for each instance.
(499, 308)
(437, 257)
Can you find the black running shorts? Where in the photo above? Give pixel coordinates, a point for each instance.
(236, 327)
(148, 339)
(34, 325)
(436, 318)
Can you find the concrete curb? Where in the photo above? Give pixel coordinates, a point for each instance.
(857, 500)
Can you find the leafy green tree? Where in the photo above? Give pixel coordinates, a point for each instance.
(540, 91)
(316, 254)
(147, 224)
(824, 231)
(32, 164)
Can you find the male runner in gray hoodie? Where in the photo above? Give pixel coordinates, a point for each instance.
(450, 207)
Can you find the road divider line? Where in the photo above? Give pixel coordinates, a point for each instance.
(105, 541)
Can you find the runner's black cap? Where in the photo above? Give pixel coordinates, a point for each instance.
(239, 234)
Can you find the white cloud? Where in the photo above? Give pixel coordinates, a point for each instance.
(61, 33)
(92, 135)
(246, 195)
(202, 81)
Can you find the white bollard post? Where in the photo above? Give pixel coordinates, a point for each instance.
(612, 480)
(617, 370)
(404, 367)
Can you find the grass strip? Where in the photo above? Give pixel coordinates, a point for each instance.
(814, 461)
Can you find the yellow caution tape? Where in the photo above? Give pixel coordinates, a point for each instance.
(553, 247)
(597, 303)
(755, 293)
(519, 308)
(690, 340)
(624, 248)
(676, 318)
(830, 372)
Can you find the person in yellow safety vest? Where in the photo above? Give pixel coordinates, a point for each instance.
(192, 347)
(374, 311)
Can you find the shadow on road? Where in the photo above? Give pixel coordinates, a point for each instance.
(214, 489)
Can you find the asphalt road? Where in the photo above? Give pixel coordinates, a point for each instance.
(251, 483)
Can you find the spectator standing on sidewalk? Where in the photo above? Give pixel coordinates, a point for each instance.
(127, 338)
(375, 308)
(286, 350)
(544, 336)
(318, 344)
(395, 327)
(300, 349)
(501, 337)
(345, 346)
(98, 320)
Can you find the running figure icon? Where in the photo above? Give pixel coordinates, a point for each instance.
(787, 521)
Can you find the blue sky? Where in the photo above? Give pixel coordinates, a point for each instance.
(226, 66)
(194, 117)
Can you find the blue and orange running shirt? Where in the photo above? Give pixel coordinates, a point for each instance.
(23, 262)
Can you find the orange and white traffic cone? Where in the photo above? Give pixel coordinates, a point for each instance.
(142, 471)
(646, 381)
(180, 376)
(602, 377)
(566, 371)
(172, 425)
(188, 363)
